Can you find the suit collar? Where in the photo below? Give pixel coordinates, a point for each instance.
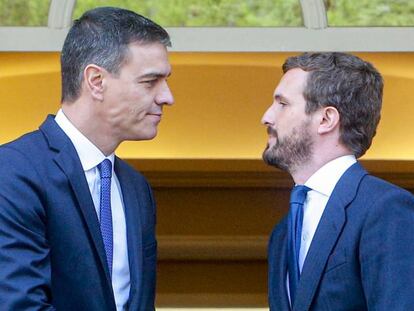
(326, 235)
(134, 234)
(89, 154)
(54, 135)
(324, 179)
(278, 297)
(67, 159)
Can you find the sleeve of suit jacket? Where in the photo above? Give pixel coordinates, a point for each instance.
(24, 251)
(387, 252)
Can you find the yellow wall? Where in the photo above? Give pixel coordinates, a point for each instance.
(220, 98)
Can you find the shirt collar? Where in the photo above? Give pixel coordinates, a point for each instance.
(89, 155)
(325, 179)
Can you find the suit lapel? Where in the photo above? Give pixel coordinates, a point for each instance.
(134, 234)
(326, 235)
(278, 297)
(68, 161)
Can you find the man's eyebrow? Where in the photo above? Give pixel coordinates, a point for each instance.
(281, 98)
(155, 75)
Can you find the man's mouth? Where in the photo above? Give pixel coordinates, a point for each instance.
(155, 114)
(272, 139)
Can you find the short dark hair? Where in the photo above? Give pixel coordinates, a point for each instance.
(353, 86)
(101, 36)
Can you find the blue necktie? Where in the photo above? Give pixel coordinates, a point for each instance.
(295, 220)
(105, 169)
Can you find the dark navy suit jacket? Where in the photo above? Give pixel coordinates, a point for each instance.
(362, 254)
(51, 250)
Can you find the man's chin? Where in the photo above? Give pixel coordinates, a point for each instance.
(149, 136)
(267, 156)
(272, 160)
(144, 135)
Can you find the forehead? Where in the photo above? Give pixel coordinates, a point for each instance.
(292, 83)
(147, 57)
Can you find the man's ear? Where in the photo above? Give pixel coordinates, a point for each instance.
(93, 76)
(329, 120)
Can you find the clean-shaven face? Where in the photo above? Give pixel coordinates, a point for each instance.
(135, 96)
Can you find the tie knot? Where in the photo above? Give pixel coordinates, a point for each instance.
(105, 168)
(298, 194)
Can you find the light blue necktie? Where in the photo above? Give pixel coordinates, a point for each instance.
(105, 169)
(295, 220)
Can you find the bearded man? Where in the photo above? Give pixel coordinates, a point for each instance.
(347, 242)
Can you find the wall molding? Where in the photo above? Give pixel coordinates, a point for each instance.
(238, 173)
(214, 221)
(200, 248)
(233, 174)
(315, 35)
(206, 299)
(242, 39)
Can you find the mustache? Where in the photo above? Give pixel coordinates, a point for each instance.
(271, 131)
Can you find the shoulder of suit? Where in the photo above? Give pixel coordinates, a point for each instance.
(30, 146)
(125, 166)
(378, 188)
(379, 184)
(29, 140)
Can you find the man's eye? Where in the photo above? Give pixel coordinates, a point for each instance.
(149, 82)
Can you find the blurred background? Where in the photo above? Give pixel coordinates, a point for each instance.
(217, 201)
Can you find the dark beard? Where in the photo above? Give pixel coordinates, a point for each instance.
(292, 151)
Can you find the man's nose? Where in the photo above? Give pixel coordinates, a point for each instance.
(165, 96)
(268, 118)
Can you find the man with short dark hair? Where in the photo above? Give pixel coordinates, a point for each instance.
(347, 242)
(77, 224)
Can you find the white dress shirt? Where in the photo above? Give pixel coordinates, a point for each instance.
(90, 156)
(322, 183)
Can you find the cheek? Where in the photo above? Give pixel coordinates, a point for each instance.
(142, 103)
(131, 103)
(287, 121)
(139, 107)
(139, 114)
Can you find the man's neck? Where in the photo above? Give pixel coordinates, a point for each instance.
(303, 172)
(81, 115)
